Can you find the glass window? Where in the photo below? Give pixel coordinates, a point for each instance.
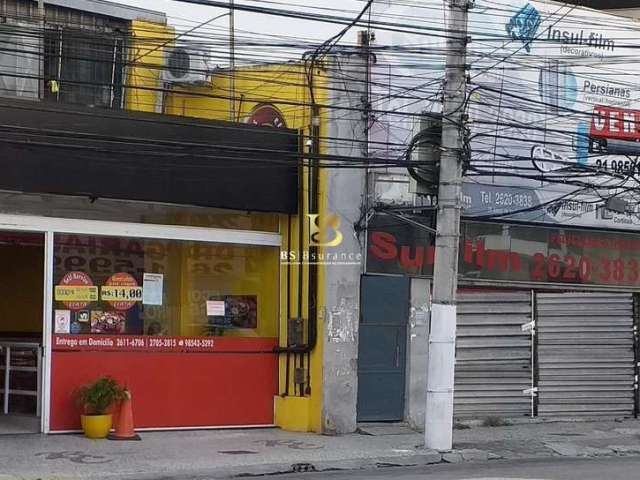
(131, 286)
(84, 67)
(19, 59)
(84, 208)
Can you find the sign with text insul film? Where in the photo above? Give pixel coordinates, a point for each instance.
(516, 253)
(553, 107)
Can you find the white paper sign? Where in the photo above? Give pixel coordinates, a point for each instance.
(152, 285)
(62, 321)
(215, 308)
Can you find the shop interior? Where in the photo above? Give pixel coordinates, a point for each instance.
(21, 325)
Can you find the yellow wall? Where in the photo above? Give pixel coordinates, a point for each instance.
(21, 284)
(229, 270)
(146, 58)
(285, 87)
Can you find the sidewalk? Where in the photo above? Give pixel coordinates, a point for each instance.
(227, 453)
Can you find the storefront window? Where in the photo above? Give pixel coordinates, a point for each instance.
(131, 286)
(85, 208)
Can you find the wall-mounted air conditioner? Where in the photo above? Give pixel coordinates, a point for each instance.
(186, 65)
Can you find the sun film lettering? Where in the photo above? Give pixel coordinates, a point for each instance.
(541, 255)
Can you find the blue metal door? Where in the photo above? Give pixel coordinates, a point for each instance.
(382, 348)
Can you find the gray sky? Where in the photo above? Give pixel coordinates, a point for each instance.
(178, 12)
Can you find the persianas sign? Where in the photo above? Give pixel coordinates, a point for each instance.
(516, 253)
(132, 343)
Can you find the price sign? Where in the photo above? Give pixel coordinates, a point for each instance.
(121, 291)
(76, 291)
(112, 293)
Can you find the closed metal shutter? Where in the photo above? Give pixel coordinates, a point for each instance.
(585, 354)
(493, 355)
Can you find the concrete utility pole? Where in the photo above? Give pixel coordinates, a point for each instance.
(442, 339)
(232, 60)
(41, 81)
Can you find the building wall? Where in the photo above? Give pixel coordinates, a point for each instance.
(144, 88)
(418, 353)
(284, 87)
(344, 194)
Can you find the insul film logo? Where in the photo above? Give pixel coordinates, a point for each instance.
(524, 25)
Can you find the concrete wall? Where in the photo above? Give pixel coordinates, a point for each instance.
(344, 196)
(417, 353)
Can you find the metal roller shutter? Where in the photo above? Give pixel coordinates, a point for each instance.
(585, 354)
(493, 354)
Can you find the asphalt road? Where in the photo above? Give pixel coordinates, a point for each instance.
(619, 468)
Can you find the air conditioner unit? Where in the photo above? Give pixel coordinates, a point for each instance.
(186, 65)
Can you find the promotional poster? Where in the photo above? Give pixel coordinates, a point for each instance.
(553, 106)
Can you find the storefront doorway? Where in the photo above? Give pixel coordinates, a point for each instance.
(172, 312)
(21, 331)
(382, 348)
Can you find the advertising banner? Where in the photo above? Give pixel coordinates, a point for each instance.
(553, 108)
(513, 253)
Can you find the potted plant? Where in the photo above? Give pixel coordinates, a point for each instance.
(96, 400)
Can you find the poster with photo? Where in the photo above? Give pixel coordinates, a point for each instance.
(109, 322)
(240, 311)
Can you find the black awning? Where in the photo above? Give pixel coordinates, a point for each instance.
(99, 153)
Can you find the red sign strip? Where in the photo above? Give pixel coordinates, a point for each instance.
(615, 123)
(140, 343)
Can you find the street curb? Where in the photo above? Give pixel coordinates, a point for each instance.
(259, 470)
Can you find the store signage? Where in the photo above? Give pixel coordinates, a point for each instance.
(121, 291)
(554, 130)
(121, 294)
(132, 343)
(514, 253)
(76, 290)
(76, 293)
(615, 123)
(266, 115)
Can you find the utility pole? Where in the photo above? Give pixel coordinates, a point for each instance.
(41, 79)
(442, 338)
(232, 60)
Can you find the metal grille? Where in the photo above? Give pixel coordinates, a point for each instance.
(585, 354)
(493, 355)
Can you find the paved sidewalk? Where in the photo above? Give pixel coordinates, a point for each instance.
(228, 453)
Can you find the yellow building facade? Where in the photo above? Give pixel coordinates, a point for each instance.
(275, 96)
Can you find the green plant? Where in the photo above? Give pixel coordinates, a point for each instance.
(96, 398)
